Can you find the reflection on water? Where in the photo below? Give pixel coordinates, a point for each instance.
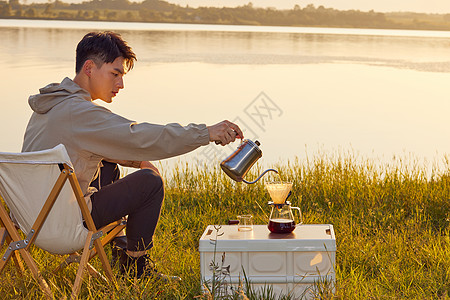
(379, 94)
(32, 45)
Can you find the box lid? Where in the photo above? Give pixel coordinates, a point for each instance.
(308, 237)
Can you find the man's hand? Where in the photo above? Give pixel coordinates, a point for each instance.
(148, 165)
(134, 164)
(224, 133)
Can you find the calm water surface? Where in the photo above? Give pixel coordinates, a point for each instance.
(376, 93)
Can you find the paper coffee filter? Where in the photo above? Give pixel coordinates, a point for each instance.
(279, 191)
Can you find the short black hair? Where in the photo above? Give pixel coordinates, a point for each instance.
(103, 47)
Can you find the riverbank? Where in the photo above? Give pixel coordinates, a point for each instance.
(391, 223)
(164, 12)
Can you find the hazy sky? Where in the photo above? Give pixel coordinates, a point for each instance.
(429, 6)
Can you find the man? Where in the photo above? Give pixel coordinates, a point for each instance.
(95, 137)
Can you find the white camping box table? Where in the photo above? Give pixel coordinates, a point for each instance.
(296, 263)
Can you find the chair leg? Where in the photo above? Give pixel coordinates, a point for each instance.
(36, 274)
(4, 237)
(108, 238)
(18, 263)
(113, 228)
(90, 225)
(13, 235)
(17, 260)
(83, 261)
(105, 262)
(3, 263)
(74, 257)
(33, 268)
(93, 272)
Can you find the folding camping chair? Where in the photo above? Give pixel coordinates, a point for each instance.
(46, 202)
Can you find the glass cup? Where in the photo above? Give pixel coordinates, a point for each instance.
(245, 223)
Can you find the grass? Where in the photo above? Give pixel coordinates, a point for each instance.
(391, 222)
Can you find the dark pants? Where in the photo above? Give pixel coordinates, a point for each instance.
(138, 195)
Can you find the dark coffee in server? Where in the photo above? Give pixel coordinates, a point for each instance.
(281, 225)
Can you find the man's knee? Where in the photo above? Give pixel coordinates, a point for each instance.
(150, 177)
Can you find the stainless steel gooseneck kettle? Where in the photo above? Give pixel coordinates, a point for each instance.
(241, 160)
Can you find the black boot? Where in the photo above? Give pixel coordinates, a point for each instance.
(142, 266)
(118, 249)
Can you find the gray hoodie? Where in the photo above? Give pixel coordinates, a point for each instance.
(64, 114)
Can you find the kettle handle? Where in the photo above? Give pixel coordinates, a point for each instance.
(300, 213)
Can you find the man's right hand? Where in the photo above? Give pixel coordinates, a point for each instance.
(224, 132)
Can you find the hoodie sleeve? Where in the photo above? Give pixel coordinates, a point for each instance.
(98, 130)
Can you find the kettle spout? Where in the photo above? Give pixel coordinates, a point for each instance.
(262, 174)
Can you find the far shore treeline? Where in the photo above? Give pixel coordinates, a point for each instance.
(163, 12)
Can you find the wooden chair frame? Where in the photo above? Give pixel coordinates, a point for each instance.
(93, 246)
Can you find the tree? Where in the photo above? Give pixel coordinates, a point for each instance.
(19, 12)
(80, 15)
(30, 13)
(149, 15)
(65, 15)
(48, 9)
(96, 15)
(5, 10)
(447, 17)
(14, 4)
(58, 4)
(310, 7)
(129, 16)
(110, 15)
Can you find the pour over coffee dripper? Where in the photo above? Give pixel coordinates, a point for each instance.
(279, 191)
(281, 218)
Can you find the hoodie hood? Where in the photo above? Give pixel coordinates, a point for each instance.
(55, 93)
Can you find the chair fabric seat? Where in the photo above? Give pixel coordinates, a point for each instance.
(63, 231)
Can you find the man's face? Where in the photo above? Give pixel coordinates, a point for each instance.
(106, 81)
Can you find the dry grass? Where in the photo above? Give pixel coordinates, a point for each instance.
(391, 222)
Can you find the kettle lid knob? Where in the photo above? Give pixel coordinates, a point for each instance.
(257, 143)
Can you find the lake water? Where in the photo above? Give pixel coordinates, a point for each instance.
(299, 91)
